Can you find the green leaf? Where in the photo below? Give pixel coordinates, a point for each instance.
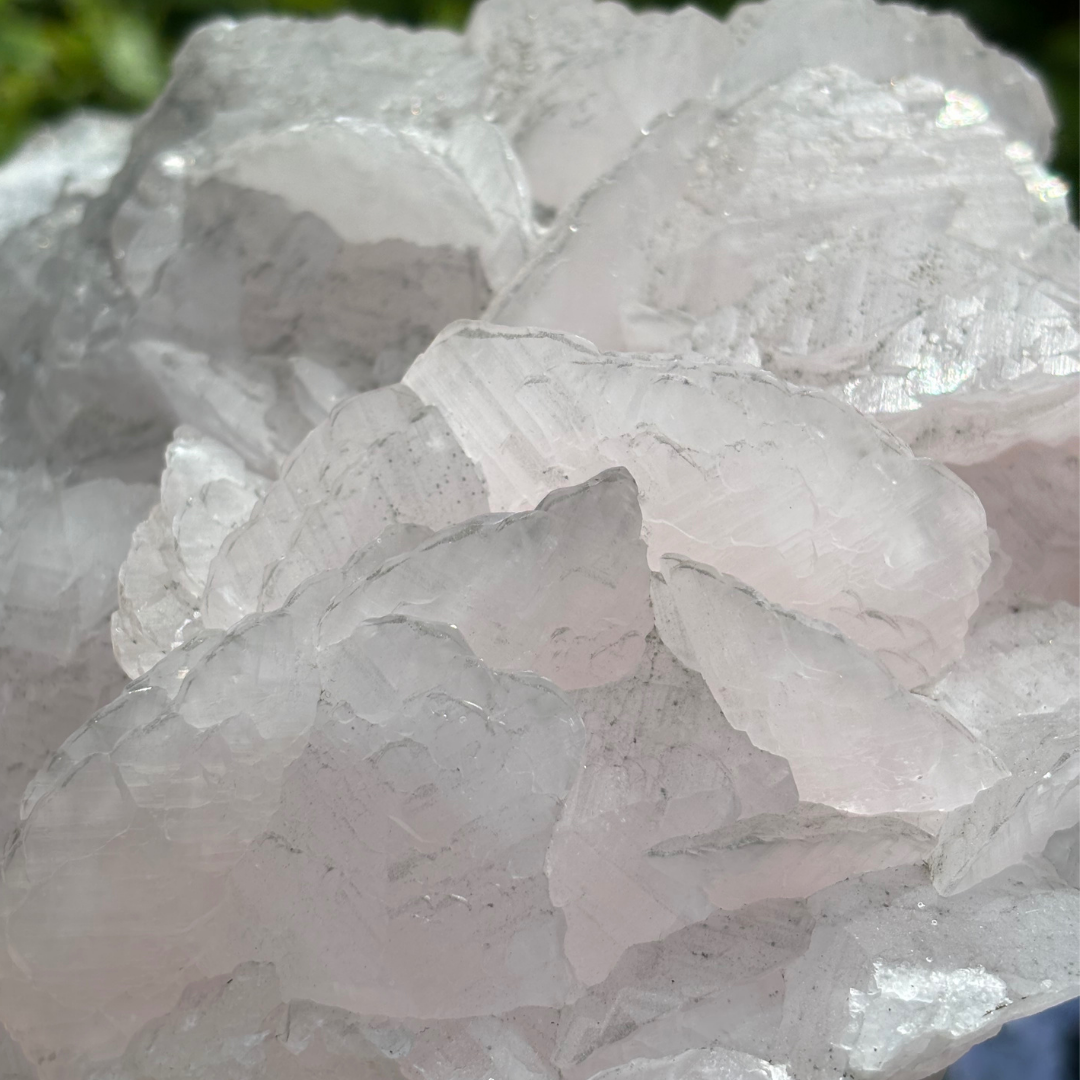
(23, 45)
(131, 57)
(452, 13)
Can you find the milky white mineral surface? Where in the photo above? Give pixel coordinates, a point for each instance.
(380, 459)
(1016, 688)
(949, 312)
(799, 688)
(77, 157)
(791, 491)
(60, 550)
(562, 591)
(589, 507)
(203, 829)
(206, 492)
(1031, 494)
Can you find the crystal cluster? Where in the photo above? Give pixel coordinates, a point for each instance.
(589, 509)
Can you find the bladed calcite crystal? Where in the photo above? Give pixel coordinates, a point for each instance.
(315, 699)
(883, 43)
(379, 459)
(574, 84)
(230, 245)
(206, 492)
(908, 960)
(1017, 688)
(791, 854)
(589, 507)
(237, 1026)
(578, 617)
(462, 771)
(661, 761)
(736, 469)
(60, 550)
(854, 739)
(959, 331)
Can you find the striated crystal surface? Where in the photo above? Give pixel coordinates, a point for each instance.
(379, 459)
(944, 313)
(790, 855)
(699, 1065)
(914, 961)
(1018, 688)
(562, 591)
(661, 761)
(574, 83)
(206, 492)
(790, 491)
(883, 42)
(589, 507)
(854, 739)
(716, 983)
(836, 985)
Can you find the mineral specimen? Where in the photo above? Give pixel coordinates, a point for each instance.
(853, 738)
(661, 761)
(1016, 688)
(797, 495)
(60, 549)
(562, 591)
(380, 459)
(206, 493)
(75, 158)
(551, 660)
(947, 314)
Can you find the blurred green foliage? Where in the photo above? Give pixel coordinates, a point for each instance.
(113, 54)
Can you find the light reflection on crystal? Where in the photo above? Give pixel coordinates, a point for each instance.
(620, 706)
(962, 110)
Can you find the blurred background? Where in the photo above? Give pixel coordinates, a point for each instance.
(56, 55)
(1042, 1047)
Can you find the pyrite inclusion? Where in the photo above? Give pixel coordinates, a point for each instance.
(510, 704)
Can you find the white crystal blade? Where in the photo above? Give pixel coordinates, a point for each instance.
(1017, 686)
(562, 590)
(855, 739)
(780, 234)
(380, 458)
(788, 490)
(792, 855)
(661, 761)
(206, 492)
